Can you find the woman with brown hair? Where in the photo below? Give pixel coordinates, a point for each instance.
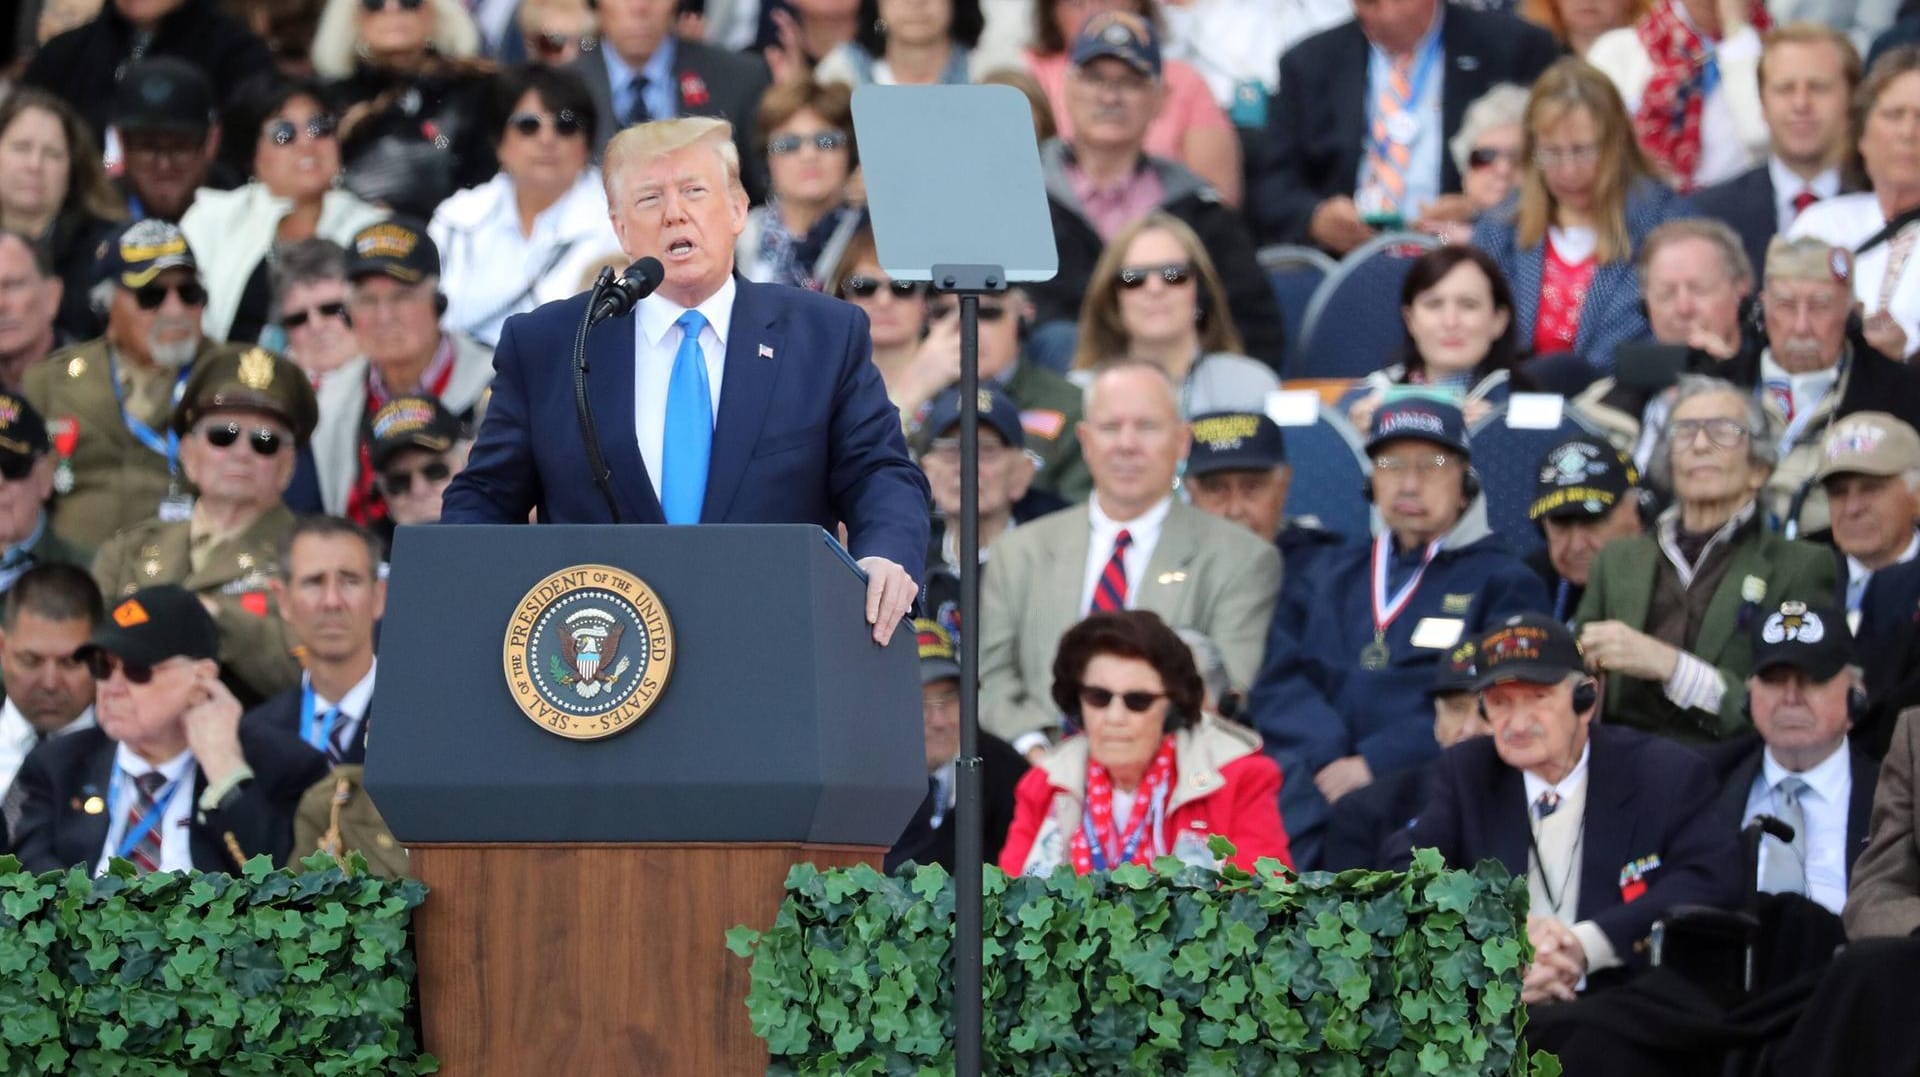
(1156, 295)
(806, 131)
(54, 192)
(1568, 240)
(897, 312)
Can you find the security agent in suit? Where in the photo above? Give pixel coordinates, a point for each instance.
(170, 779)
(1801, 768)
(1611, 828)
(700, 439)
(928, 838)
(680, 77)
(1319, 120)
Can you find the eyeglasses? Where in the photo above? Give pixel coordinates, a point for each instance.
(286, 132)
(1137, 702)
(300, 318)
(1174, 273)
(988, 312)
(1124, 85)
(151, 295)
(566, 124)
(550, 46)
(940, 704)
(824, 141)
(1488, 156)
(15, 468)
(1555, 156)
(1419, 465)
(1725, 433)
(100, 666)
(868, 287)
(262, 441)
(398, 483)
(375, 7)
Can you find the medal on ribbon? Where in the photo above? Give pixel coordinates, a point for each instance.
(1376, 655)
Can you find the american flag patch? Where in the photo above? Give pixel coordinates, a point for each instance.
(766, 352)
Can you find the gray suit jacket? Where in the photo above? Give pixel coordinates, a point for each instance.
(1205, 573)
(1883, 899)
(725, 84)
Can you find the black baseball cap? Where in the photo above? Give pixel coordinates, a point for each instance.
(1235, 441)
(1457, 672)
(1124, 35)
(939, 661)
(142, 251)
(154, 624)
(398, 248)
(1582, 478)
(411, 422)
(1420, 418)
(1813, 639)
(23, 434)
(997, 411)
(1530, 647)
(163, 93)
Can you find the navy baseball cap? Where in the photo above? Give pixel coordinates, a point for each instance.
(398, 248)
(1123, 35)
(1530, 647)
(142, 251)
(997, 410)
(1457, 672)
(1422, 419)
(1235, 441)
(1813, 639)
(1582, 477)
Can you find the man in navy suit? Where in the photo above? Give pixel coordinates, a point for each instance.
(684, 391)
(1611, 827)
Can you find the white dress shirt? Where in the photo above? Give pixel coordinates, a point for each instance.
(1556, 858)
(18, 737)
(353, 705)
(176, 846)
(656, 340)
(1787, 186)
(1823, 808)
(1145, 531)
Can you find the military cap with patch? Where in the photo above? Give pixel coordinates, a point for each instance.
(1123, 35)
(1813, 639)
(1583, 477)
(411, 422)
(142, 251)
(1420, 418)
(398, 248)
(1530, 647)
(23, 436)
(253, 380)
(998, 413)
(1869, 443)
(1458, 671)
(939, 661)
(154, 624)
(1235, 441)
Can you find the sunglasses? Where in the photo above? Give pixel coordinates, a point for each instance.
(1137, 702)
(374, 7)
(100, 666)
(1486, 156)
(400, 483)
(150, 296)
(566, 124)
(301, 317)
(1174, 273)
(867, 287)
(550, 46)
(824, 141)
(262, 441)
(987, 313)
(286, 132)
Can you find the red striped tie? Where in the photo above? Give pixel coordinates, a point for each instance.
(1110, 594)
(146, 855)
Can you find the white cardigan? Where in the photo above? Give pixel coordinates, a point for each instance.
(232, 232)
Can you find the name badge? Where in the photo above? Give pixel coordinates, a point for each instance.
(1403, 127)
(1437, 633)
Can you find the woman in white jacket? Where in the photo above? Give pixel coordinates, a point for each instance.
(526, 236)
(294, 195)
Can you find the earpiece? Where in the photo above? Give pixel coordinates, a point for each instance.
(1470, 484)
(440, 304)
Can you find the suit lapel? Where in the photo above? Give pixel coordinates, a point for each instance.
(1350, 102)
(88, 834)
(1509, 826)
(746, 386)
(1165, 585)
(611, 356)
(1632, 595)
(1866, 774)
(1607, 831)
(1718, 624)
(1733, 795)
(1461, 84)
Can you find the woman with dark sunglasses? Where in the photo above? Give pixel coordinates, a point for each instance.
(295, 195)
(525, 236)
(1156, 295)
(798, 237)
(896, 309)
(1150, 773)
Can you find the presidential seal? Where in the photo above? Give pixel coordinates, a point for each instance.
(588, 651)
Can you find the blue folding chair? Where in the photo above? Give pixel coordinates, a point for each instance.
(1508, 461)
(1329, 469)
(1353, 325)
(1294, 273)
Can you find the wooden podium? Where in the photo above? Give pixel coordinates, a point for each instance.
(580, 891)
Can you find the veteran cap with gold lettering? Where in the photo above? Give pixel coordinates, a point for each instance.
(411, 422)
(252, 380)
(142, 251)
(1582, 478)
(398, 248)
(23, 436)
(1235, 441)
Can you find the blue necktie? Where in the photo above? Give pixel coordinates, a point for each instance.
(688, 444)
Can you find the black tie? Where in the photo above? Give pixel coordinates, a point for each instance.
(638, 113)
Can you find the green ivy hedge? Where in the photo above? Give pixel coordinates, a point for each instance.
(1175, 970)
(267, 972)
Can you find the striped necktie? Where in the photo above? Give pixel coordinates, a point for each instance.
(146, 855)
(1387, 158)
(1110, 593)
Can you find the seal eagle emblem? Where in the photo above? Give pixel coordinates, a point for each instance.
(588, 651)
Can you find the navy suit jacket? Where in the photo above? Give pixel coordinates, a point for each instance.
(1888, 647)
(1738, 761)
(1646, 796)
(282, 712)
(831, 450)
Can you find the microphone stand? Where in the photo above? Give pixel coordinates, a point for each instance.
(596, 460)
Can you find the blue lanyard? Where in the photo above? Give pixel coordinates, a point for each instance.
(1131, 847)
(152, 819)
(169, 446)
(1416, 88)
(1560, 596)
(324, 736)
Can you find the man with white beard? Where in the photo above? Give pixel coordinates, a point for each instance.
(107, 402)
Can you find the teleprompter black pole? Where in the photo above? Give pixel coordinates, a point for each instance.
(968, 282)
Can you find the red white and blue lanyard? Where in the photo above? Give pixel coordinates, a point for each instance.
(169, 446)
(131, 840)
(1416, 86)
(1387, 610)
(1143, 823)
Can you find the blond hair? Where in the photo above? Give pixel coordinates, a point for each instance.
(1102, 336)
(644, 143)
(1568, 85)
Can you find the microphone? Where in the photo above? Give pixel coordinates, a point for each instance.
(1775, 827)
(637, 283)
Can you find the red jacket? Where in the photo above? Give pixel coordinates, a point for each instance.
(1223, 784)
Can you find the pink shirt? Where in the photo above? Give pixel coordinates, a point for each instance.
(1113, 208)
(1190, 105)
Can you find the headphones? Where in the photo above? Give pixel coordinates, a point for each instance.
(1585, 695)
(1469, 486)
(439, 304)
(1856, 706)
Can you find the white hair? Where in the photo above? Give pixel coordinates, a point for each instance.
(336, 39)
(1505, 105)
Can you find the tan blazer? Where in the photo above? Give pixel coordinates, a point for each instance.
(1205, 573)
(1884, 900)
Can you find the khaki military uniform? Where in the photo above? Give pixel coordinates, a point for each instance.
(337, 817)
(1050, 405)
(235, 571)
(1792, 478)
(117, 480)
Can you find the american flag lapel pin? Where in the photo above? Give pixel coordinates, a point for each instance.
(766, 351)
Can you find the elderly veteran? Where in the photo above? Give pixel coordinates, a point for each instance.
(1237, 470)
(1667, 615)
(1870, 469)
(240, 423)
(1587, 495)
